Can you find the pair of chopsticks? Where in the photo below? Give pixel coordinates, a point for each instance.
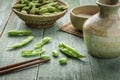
(20, 65)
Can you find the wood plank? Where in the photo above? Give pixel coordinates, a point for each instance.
(103, 69)
(5, 10)
(75, 69)
(9, 57)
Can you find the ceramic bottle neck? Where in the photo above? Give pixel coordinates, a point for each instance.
(108, 11)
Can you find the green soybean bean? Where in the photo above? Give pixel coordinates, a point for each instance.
(39, 51)
(24, 2)
(46, 1)
(26, 53)
(68, 50)
(62, 7)
(42, 42)
(19, 32)
(32, 53)
(43, 10)
(31, 5)
(34, 11)
(45, 57)
(35, 1)
(55, 53)
(26, 8)
(18, 6)
(22, 43)
(51, 9)
(24, 12)
(63, 61)
(52, 4)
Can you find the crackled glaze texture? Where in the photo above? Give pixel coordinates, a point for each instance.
(102, 31)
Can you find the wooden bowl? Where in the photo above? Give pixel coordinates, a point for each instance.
(40, 21)
(80, 14)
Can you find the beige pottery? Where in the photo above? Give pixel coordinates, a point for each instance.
(102, 31)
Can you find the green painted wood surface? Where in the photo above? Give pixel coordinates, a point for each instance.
(89, 68)
(5, 11)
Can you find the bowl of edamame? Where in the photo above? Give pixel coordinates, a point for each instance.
(40, 13)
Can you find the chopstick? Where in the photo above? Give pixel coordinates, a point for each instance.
(20, 65)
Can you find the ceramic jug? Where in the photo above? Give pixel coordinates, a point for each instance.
(102, 31)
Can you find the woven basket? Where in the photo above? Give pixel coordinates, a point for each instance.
(40, 21)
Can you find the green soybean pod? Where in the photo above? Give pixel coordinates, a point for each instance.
(44, 41)
(68, 50)
(26, 53)
(55, 53)
(34, 11)
(51, 9)
(62, 7)
(52, 4)
(43, 10)
(39, 51)
(24, 2)
(32, 53)
(24, 12)
(22, 43)
(26, 8)
(19, 32)
(68, 53)
(31, 5)
(63, 61)
(45, 57)
(19, 6)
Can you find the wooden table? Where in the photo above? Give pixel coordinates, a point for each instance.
(90, 68)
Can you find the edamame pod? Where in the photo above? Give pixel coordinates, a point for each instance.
(24, 2)
(32, 53)
(34, 10)
(52, 4)
(19, 33)
(43, 10)
(42, 42)
(40, 51)
(31, 5)
(62, 7)
(68, 50)
(22, 43)
(19, 6)
(26, 8)
(24, 12)
(51, 9)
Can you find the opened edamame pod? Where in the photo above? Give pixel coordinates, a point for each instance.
(68, 50)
